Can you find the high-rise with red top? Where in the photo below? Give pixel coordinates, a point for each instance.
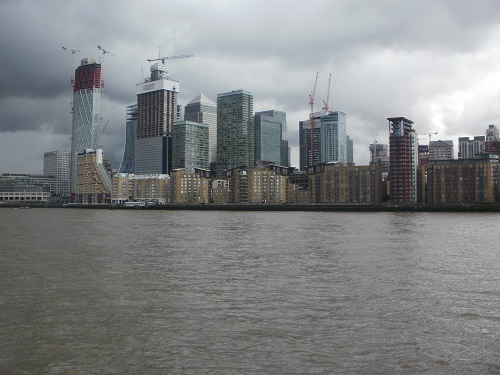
(86, 112)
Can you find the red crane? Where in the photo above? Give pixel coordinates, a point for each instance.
(311, 117)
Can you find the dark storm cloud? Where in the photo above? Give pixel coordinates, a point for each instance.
(386, 57)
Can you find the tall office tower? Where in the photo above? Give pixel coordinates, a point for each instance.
(156, 112)
(86, 113)
(202, 109)
(492, 133)
(468, 148)
(190, 145)
(128, 161)
(441, 150)
(350, 150)
(56, 164)
(379, 154)
(271, 137)
(235, 130)
(403, 145)
(330, 139)
(492, 142)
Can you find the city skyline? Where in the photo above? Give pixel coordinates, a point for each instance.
(443, 56)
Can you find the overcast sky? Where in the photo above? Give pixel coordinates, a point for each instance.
(434, 62)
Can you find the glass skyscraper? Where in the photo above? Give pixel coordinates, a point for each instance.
(190, 145)
(86, 112)
(330, 139)
(235, 130)
(128, 161)
(202, 109)
(271, 137)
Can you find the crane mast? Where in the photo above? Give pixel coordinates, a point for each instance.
(325, 102)
(311, 117)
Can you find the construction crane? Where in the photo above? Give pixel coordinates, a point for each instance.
(373, 150)
(430, 134)
(104, 52)
(101, 132)
(73, 51)
(169, 58)
(311, 117)
(325, 102)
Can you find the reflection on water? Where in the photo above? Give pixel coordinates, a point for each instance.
(98, 291)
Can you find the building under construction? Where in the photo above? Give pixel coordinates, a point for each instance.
(403, 146)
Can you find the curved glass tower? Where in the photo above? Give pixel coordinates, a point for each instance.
(128, 161)
(86, 113)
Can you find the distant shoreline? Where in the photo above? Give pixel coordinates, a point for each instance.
(489, 207)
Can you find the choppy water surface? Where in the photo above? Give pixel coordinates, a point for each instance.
(99, 291)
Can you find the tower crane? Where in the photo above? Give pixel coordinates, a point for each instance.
(101, 132)
(373, 150)
(73, 51)
(169, 58)
(104, 52)
(311, 117)
(430, 134)
(325, 102)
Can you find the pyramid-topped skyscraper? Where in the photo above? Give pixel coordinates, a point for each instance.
(202, 109)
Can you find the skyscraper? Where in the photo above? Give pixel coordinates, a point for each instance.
(350, 150)
(403, 146)
(202, 109)
(190, 145)
(271, 137)
(492, 133)
(156, 111)
(86, 112)
(330, 139)
(128, 161)
(56, 164)
(469, 148)
(235, 130)
(441, 150)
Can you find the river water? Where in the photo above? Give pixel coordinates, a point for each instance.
(200, 292)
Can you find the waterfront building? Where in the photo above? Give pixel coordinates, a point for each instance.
(271, 137)
(190, 145)
(86, 119)
(330, 139)
(189, 187)
(156, 112)
(469, 181)
(235, 130)
(258, 185)
(56, 164)
(403, 156)
(441, 150)
(202, 109)
(148, 188)
(469, 148)
(93, 181)
(336, 183)
(19, 188)
(128, 161)
(219, 191)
